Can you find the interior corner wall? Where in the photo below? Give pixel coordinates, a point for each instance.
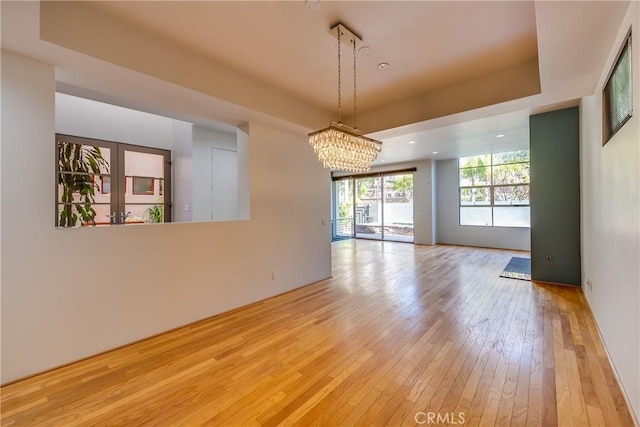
(449, 230)
(244, 173)
(182, 170)
(434, 201)
(424, 210)
(554, 147)
(166, 275)
(610, 205)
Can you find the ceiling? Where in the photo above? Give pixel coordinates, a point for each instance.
(289, 46)
(460, 72)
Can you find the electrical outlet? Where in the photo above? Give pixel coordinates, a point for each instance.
(589, 285)
(274, 276)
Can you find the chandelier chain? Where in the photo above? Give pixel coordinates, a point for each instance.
(342, 147)
(355, 97)
(339, 79)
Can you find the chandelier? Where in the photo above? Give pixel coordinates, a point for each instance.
(342, 147)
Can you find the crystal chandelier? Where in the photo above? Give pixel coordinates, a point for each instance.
(342, 147)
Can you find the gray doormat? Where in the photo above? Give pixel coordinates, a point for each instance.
(518, 268)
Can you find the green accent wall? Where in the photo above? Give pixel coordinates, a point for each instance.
(555, 196)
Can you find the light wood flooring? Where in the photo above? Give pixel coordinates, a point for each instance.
(402, 335)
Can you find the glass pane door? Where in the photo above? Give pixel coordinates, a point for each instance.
(368, 212)
(398, 207)
(343, 216)
(84, 182)
(144, 185)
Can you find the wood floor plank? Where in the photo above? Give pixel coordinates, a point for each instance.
(502, 353)
(400, 333)
(518, 339)
(520, 407)
(478, 404)
(549, 390)
(563, 397)
(536, 361)
(450, 393)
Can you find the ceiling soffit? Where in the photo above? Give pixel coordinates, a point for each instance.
(82, 28)
(460, 78)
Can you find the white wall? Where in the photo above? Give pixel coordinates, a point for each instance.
(450, 231)
(610, 185)
(434, 201)
(226, 182)
(244, 173)
(143, 280)
(92, 119)
(423, 208)
(182, 170)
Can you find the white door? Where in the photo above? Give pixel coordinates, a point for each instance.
(224, 185)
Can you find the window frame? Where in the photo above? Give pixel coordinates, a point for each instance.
(380, 177)
(609, 129)
(491, 186)
(144, 193)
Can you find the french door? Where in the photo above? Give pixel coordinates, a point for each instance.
(103, 183)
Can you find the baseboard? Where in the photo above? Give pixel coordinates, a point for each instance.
(569, 285)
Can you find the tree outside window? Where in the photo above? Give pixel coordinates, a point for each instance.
(494, 189)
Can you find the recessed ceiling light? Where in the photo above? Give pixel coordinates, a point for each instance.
(383, 65)
(500, 135)
(364, 50)
(312, 5)
(435, 152)
(412, 142)
(382, 160)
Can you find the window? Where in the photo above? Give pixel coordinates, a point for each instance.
(617, 98)
(494, 189)
(143, 186)
(105, 183)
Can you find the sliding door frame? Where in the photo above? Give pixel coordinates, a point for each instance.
(380, 176)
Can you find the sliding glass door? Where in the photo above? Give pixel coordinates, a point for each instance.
(398, 207)
(380, 206)
(342, 223)
(368, 212)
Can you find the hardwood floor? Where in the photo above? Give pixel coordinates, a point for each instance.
(402, 335)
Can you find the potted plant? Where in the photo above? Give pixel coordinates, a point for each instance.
(77, 166)
(155, 214)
